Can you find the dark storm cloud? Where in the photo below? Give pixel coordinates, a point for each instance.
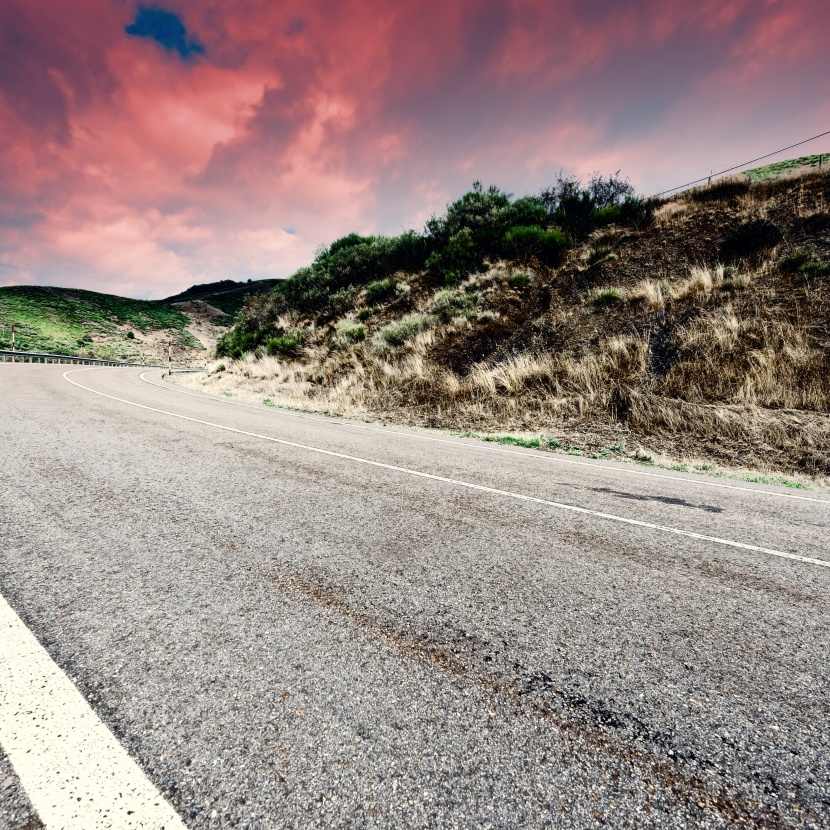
(167, 29)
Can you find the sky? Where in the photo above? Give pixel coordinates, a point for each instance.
(145, 147)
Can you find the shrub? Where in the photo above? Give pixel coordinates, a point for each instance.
(474, 228)
(580, 210)
(447, 304)
(607, 216)
(378, 292)
(348, 332)
(636, 212)
(285, 344)
(343, 300)
(397, 333)
(457, 258)
(526, 241)
(749, 239)
(353, 260)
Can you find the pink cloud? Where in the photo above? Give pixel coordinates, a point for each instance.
(124, 166)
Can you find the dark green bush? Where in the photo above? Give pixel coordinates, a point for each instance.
(353, 260)
(474, 229)
(579, 210)
(636, 212)
(749, 239)
(528, 241)
(607, 216)
(286, 344)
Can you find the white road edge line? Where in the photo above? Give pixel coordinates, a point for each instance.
(466, 484)
(75, 772)
(550, 457)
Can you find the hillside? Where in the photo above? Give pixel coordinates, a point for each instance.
(226, 295)
(696, 328)
(74, 321)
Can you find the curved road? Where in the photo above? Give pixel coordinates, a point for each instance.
(293, 621)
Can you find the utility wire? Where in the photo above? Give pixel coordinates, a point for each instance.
(743, 164)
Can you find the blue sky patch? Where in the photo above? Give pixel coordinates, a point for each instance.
(167, 29)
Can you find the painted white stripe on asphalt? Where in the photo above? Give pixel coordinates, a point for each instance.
(466, 484)
(75, 772)
(536, 456)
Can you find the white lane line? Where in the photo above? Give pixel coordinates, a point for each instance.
(466, 484)
(536, 456)
(75, 772)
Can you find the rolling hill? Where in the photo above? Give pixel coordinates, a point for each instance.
(78, 322)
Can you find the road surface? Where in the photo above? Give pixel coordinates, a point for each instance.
(280, 620)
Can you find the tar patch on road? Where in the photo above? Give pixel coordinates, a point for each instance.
(709, 508)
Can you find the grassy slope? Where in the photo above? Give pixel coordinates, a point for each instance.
(787, 167)
(641, 339)
(74, 321)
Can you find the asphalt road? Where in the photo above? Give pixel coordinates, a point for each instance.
(291, 621)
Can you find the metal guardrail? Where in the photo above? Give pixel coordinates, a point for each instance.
(8, 356)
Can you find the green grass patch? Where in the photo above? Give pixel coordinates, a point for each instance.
(606, 297)
(349, 332)
(447, 304)
(518, 280)
(781, 168)
(366, 313)
(530, 443)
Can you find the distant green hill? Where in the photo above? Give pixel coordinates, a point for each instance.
(226, 295)
(78, 322)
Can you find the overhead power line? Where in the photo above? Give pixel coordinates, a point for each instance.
(743, 164)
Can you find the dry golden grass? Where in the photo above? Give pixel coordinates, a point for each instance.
(653, 294)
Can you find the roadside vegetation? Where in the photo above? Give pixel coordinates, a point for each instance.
(694, 327)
